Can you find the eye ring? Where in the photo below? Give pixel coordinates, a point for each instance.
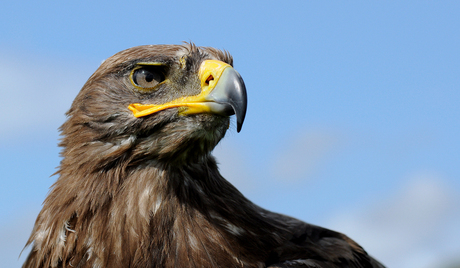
(147, 77)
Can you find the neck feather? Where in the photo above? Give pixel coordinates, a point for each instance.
(158, 213)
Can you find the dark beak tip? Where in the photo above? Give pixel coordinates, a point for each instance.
(238, 127)
(241, 101)
(240, 113)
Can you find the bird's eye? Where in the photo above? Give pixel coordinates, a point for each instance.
(147, 77)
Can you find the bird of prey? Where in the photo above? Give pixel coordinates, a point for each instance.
(139, 187)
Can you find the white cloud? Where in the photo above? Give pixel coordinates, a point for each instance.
(35, 93)
(233, 166)
(304, 153)
(416, 227)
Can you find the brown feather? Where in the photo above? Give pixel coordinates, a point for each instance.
(146, 192)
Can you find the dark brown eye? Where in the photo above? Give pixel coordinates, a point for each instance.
(147, 77)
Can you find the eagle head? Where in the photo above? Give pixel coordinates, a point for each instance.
(169, 102)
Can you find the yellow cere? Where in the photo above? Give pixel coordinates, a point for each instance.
(209, 74)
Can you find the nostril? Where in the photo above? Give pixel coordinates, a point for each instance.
(210, 78)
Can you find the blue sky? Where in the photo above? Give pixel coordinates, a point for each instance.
(353, 117)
